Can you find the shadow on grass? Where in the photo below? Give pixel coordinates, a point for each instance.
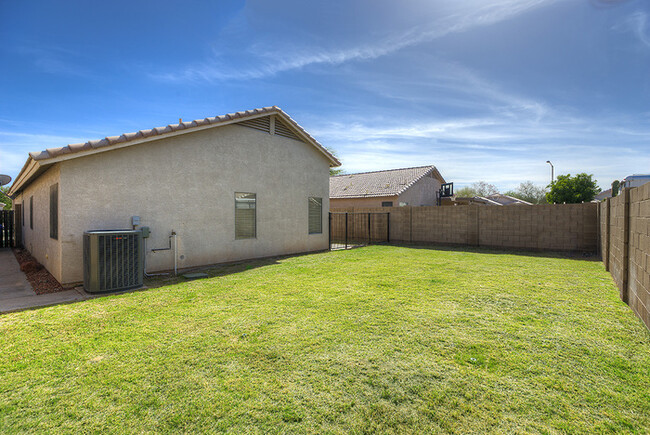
(575, 255)
(221, 269)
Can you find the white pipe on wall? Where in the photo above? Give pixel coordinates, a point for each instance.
(175, 254)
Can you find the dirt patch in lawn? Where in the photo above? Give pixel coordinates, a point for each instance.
(37, 275)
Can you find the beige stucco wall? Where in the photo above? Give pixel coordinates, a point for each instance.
(187, 184)
(423, 192)
(45, 250)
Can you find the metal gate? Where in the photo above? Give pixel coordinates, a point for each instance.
(349, 230)
(6, 228)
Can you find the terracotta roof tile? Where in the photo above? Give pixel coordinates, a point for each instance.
(126, 137)
(379, 183)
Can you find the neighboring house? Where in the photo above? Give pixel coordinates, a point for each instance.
(635, 180)
(243, 185)
(390, 188)
(497, 199)
(603, 195)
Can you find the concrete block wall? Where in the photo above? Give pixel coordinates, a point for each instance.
(568, 227)
(625, 246)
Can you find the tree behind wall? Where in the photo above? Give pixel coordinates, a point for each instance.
(480, 188)
(335, 171)
(572, 190)
(4, 198)
(529, 192)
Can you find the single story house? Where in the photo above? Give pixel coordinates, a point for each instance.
(244, 185)
(390, 188)
(604, 195)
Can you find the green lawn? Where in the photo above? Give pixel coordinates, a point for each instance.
(378, 339)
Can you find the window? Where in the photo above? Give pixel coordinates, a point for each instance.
(23, 213)
(315, 215)
(31, 212)
(54, 211)
(387, 203)
(245, 215)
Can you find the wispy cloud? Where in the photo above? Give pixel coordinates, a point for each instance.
(506, 145)
(53, 59)
(14, 147)
(637, 24)
(267, 63)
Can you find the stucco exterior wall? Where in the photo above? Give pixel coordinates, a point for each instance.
(423, 192)
(362, 202)
(37, 241)
(187, 184)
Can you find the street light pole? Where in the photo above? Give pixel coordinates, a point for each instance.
(552, 171)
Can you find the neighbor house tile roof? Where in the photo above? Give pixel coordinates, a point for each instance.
(380, 183)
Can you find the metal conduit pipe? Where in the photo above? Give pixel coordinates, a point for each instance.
(169, 248)
(175, 254)
(144, 263)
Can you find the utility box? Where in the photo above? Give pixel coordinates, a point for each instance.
(113, 260)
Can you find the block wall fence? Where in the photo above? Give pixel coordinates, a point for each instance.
(625, 246)
(562, 227)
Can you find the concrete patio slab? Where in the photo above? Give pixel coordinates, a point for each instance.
(16, 293)
(36, 301)
(13, 283)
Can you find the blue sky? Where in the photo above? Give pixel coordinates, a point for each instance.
(483, 89)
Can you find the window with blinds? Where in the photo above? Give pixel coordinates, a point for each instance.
(245, 215)
(315, 215)
(54, 211)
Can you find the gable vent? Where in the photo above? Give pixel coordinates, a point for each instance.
(262, 124)
(281, 129)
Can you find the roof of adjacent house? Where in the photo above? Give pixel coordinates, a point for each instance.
(38, 161)
(498, 199)
(502, 199)
(379, 183)
(604, 194)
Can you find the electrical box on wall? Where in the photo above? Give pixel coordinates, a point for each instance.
(145, 232)
(135, 220)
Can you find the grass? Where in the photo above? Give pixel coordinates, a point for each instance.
(379, 339)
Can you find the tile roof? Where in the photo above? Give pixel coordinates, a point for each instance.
(159, 131)
(379, 183)
(38, 161)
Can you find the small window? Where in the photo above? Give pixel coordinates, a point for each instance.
(31, 212)
(387, 203)
(22, 217)
(315, 215)
(54, 211)
(245, 227)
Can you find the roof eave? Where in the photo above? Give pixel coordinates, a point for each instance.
(30, 167)
(45, 158)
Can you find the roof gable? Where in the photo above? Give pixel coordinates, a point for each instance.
(270, 119)
(380, 183)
